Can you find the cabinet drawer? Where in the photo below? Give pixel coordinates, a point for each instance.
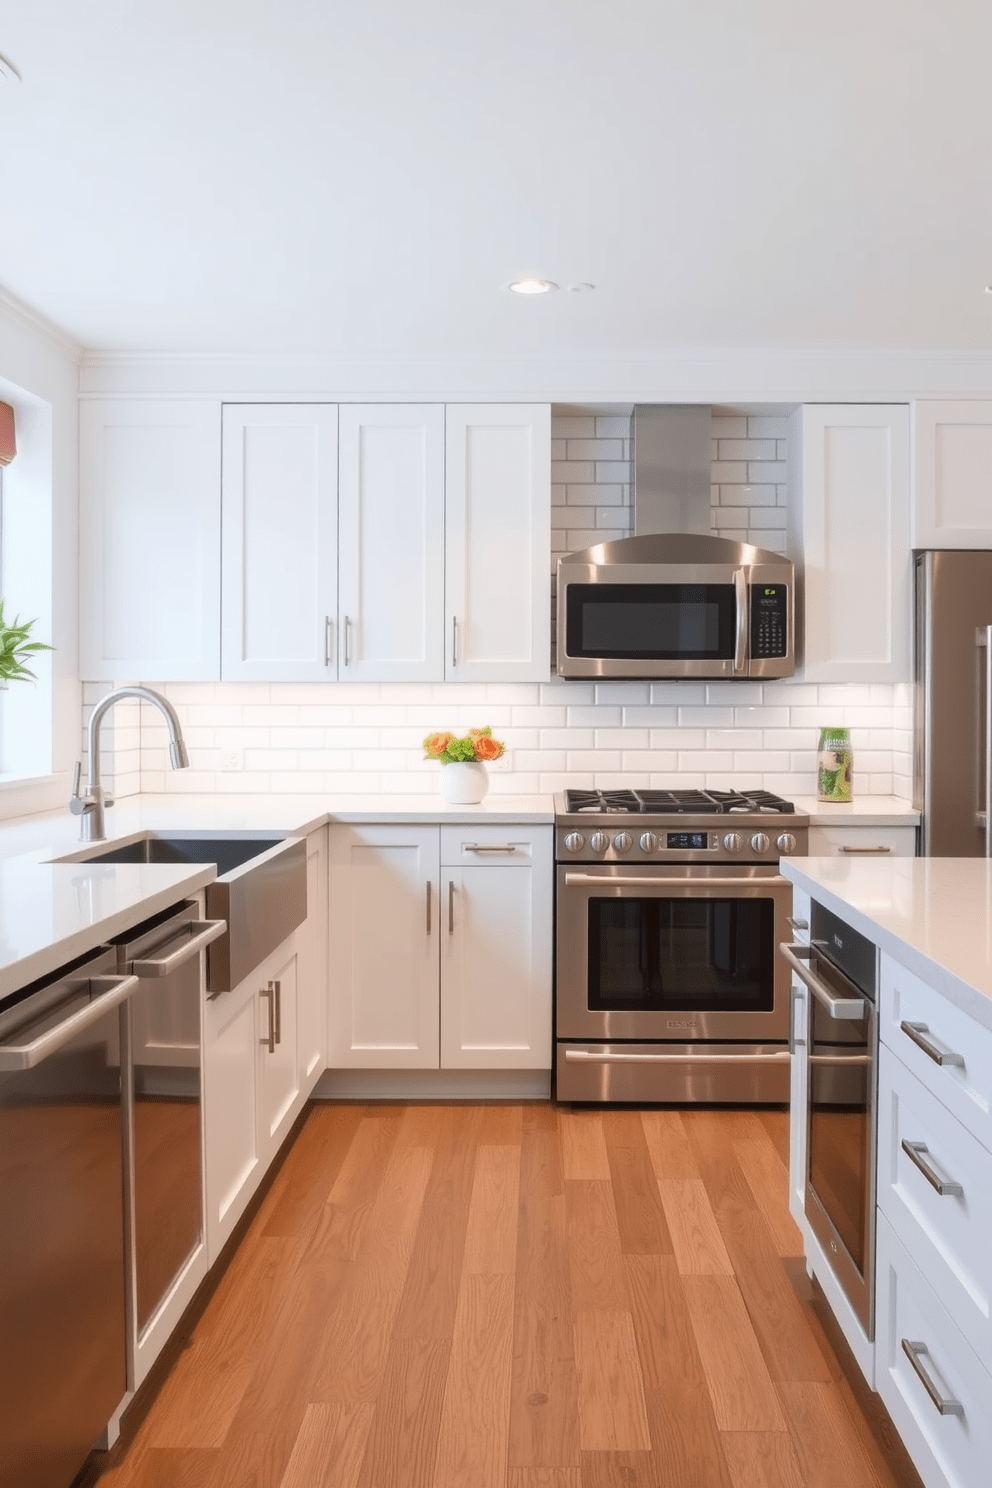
(965, 1088)
(885, 842)
(946, 1233)
(510, 846)
(948, 1450)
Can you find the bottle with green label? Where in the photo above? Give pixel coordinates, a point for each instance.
(834, 765)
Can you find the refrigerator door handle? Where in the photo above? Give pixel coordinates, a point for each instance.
(983, 817)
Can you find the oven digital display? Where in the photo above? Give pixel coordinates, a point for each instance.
(687, 841)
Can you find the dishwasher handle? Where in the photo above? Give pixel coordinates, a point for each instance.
(837, 1007)
(113, 991)
(191, 944)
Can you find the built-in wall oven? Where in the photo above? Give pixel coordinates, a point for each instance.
(840, 1046)
(669, 909)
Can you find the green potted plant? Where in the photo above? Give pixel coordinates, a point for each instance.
(16, 648)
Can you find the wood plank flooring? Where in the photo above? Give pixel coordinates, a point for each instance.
(507, 1296)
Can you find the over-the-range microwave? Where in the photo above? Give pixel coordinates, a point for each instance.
(676, 605)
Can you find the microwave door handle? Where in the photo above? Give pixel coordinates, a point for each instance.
(740, 647)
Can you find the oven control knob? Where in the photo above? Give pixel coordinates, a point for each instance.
(733, 842)
(648, 841)
(760, 842)
(623, 842)
(599, 841)
(785, 842)
(575, 842)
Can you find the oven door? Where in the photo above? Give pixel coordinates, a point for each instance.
(673, 952)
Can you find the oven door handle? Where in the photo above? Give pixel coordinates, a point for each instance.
(691, 887)
(587, 1056)
(837, 1007)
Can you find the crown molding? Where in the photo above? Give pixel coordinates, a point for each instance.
(32, 320)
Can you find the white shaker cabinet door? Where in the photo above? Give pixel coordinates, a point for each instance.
(279, 1096)
(149, 540)
(280, 542)
(952, 473)
(496, 952)
(498, 542)
(384, 926)
(850, 520)
(391, 536)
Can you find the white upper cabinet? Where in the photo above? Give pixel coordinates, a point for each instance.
(850, 519)
(952, 487)
(391, 543)
(280, 476)
(498, 542)
(149, 540)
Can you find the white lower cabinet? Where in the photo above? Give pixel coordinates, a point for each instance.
(862, 842)
(440, 947)
(798, 1074)
(933, 1385)
(251, 1072)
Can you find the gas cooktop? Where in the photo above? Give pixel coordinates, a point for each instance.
(676, 802)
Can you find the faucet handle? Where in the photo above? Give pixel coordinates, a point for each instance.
(76, 803)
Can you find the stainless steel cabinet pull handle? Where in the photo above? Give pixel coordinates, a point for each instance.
(932, 1047)
(484, 847)
(451, 906)
(837, 1007)
(915, 1353)
(454, 640)
(347, 640)
(270, 1037)
(865, 851)
(798, 924)
(740, 648)
(195, 935)
(796, 1011)
(278, 987)
(918, 1152)
(328, 629)
(428, 906)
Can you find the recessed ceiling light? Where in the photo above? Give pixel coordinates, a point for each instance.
(531, 286)
(8, 72)
(583, 288)
(988, 289)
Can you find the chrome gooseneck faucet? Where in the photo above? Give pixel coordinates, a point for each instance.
(90, 806)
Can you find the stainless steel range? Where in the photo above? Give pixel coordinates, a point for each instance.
(670, 907)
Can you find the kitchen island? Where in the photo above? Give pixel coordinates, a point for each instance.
(929, 1351)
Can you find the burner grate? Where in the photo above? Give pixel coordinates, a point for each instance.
(677, 802)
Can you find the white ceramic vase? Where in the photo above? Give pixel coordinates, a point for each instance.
(464, 782)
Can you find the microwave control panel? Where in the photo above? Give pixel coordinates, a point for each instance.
(769, 620)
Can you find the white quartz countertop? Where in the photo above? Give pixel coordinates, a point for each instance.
(52, 912)
(863, 811)
(932, 915)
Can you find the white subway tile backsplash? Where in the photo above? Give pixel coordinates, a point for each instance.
(747, 449)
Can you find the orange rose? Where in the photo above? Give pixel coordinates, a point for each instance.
(436, 744)
(486, 748)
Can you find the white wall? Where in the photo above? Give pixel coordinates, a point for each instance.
(39, 375)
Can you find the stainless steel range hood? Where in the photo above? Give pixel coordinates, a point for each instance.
(671, 468)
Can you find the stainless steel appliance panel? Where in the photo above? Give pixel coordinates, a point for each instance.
(671, 1073)
(165, 1130)
(953, 753)
(672, 951)
(62, 1307)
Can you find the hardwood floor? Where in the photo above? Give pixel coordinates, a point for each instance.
(531, 1296)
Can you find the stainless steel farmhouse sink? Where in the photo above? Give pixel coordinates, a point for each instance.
(260, 889)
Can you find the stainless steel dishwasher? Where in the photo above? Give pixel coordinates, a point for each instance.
(62, 1304)
(164, 1124)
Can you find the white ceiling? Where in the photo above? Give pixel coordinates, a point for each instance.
(361, 176)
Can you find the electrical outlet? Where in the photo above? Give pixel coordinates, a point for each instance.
(232, 759)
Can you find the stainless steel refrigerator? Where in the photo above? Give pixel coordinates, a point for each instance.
(953, 704)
